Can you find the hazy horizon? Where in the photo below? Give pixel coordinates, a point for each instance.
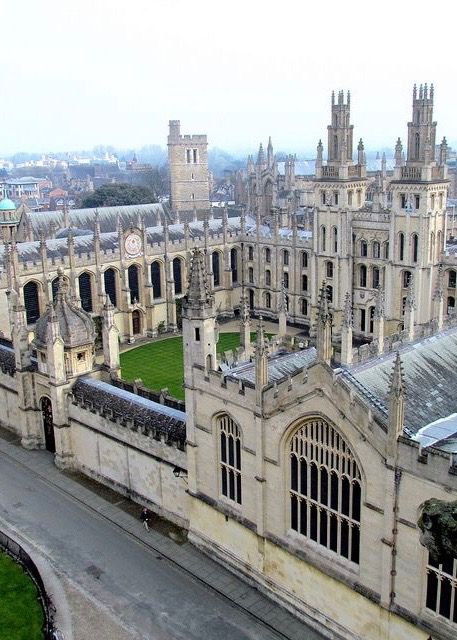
(88, 74)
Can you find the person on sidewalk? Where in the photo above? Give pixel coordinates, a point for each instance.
(145, 518)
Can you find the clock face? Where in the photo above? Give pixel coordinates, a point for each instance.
(133, 244)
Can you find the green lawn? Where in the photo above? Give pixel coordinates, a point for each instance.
(160, 364)
(21, 615)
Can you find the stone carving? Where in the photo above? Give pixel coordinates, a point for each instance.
(438, 525)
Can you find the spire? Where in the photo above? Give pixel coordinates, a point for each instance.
(270, 156)
(324, 327)
(396, 407)
(398, 153)
(261, 156)
(198, 293)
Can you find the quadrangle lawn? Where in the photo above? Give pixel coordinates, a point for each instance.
(21, 614)
(160, 364)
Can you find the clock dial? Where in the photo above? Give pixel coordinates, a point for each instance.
(133, 244)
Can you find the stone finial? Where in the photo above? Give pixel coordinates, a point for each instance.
(439, 287)
(261, 360)
(324, 327)
(410, 296)
(397, 381)
(443, 151)
(261, 156)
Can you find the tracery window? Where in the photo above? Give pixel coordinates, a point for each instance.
(234, 265)
(441, 595)
(134, 283)
(31, 302)
(110, 285)
(325, 489)
(230, 458)
(85, 291)
(216, 265)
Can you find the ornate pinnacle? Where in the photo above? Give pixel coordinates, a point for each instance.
(198, 293)
(347, 312)
(324, 314)
(410, 296)
(397, 380)
(379, 305)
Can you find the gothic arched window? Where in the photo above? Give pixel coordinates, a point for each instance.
(335, 146)
(386, 250)
(54, 288)
(362, 276)
(156, 279)
(134, 283)
(323, 238)
(335, 239)
(216, 265)
(371, 317)
(401, 246)
(250, 252)
(329, 269)
(452, 279)
(363, 248)
(304, 260)
(267, 278)
(329, 289)
(85, 291)
(177, 275)
(416, 145)
(376, 248)
(250, 275)
(31, 302)
(230, 458)
(267, 255)
(267, 300)
(406, 278)
(450, 304)
(285, 280)
(441, 594)
(415, 246)
(304, 306)
(234, 264)
(325, 489)
(304, 282)
(109, 278)
(375, 281)
(285, 257)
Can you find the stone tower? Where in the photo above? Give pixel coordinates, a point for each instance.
(188, 165)
(339, 191)
(418, 219)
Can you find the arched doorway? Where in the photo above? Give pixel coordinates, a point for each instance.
(136, 322)
(48, 424)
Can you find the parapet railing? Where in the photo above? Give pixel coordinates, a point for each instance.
(12, 548)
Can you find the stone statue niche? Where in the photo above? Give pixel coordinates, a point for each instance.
(438, 525)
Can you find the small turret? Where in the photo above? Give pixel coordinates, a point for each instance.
(398, 153)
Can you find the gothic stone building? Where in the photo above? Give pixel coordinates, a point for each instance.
(307, 467)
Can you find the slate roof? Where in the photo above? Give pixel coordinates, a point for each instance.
(57, 247)
(430, 370)
(267, 232)
(280, 365)
(150, 417)
(107, 217)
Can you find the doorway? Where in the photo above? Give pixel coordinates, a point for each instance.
(48, 424)
(136, 322)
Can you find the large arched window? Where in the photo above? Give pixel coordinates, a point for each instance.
(134, 283)
(156, 279)
(234, 264)
(31, 302)
(110, 285)
(85, 291)
(441, 594)
(216, 264)
(230, 458)
(177, 275)
(325, 489)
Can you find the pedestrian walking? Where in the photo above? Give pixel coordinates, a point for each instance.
(145, 518)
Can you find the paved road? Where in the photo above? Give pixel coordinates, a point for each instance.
(157, 588)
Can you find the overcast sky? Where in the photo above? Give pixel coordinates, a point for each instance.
(86, 72)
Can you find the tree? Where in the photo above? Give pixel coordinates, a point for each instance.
(117, 194)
